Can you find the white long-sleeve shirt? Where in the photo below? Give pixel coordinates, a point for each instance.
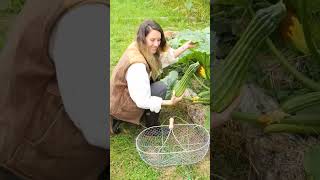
(139, 83)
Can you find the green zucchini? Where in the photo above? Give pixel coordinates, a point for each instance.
(301, 102)
(291, 128)
(247, 117)
(201, 101)
(181, 86)
(299, 119)
(231, 74)
(303, 119)
(204, 94)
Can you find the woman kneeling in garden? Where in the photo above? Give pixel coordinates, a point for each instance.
(135, 89)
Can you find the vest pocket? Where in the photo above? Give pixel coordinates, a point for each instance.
(43, 117)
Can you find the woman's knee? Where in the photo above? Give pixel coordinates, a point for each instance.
(159, 89)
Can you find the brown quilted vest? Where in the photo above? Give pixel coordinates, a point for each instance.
(121, 105)
(37, 138)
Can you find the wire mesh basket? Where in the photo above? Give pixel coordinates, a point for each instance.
(178, 144)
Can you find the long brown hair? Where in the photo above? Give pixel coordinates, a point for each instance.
(152, 59)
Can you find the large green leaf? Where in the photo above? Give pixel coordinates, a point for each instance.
(201, 57)
(200, 53)
(201, 37)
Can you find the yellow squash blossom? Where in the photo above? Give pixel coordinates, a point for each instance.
(292, 30)
(202, 72)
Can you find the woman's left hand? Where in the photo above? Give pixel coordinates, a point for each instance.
(183, 48)
(175, 99)
(189, 45)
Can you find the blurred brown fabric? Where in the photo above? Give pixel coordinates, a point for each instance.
(37, 138)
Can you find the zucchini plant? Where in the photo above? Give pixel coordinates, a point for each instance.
(198, 57)
(200, 53)
(231, 74)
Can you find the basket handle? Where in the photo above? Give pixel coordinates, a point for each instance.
(171, 120)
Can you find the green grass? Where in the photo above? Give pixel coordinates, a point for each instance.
(126, 15)
(126, 163)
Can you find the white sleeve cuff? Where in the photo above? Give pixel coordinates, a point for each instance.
(155, 104)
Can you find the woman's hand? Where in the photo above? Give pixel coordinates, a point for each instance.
(175, 99)
(189, 45)
(183, 48)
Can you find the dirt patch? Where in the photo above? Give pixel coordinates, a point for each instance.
(229, 156)
(244, 150)
(179, 112)
(277, 156)
(197, 113)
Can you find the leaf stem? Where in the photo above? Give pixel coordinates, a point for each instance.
(301, 77)
(201, 83)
